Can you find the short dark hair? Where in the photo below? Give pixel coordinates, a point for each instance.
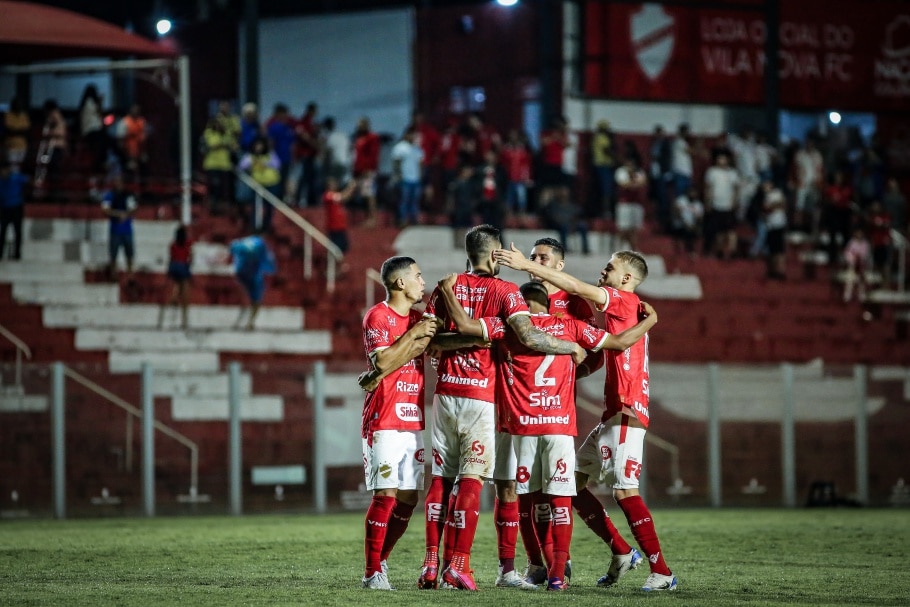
(535, 291)
(392, 266)
(553, 244)
(481, 240)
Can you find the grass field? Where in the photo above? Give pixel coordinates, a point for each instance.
(722, 557)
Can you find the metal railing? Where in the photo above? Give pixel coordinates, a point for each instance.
(21, 348)
(310, 232)
(135, 412)
(373, 278)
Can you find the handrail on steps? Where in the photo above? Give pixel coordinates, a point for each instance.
(372, 278)
(21, 348)
(310, 232)
(136, 412)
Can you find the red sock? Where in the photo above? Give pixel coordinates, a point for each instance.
(543, 523)
(506, 516)
(449, 528)
(642, 526)
(376, 525)
(398, 524)
(561, 529)
(596, 518)
(464, 515)
(435, 510)
(526, 527)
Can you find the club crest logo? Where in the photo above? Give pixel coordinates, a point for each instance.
(653, 37)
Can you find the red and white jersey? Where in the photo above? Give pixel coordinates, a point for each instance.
(627, 385)
(470, 372)
(397, 403)
(537, 391)
(566, 305)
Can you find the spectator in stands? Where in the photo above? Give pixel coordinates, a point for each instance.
(765, 157)
(250, 127)
(869, 175)
(336, 214)
(632, 183)
(449, 146)
(605, 157)
(306, 153)
(460, 203)
(492, 183)
(837, 215)
(745, 161)
(688, 213)
(480, 138)
(253, 261)
(229, 121)
(218, 148)
(857, 255)
(775, 219)
(51, 150)
(721, 194)
(264, 166)
(516, 159)
(119, 204)
(178, 270)
(808, 176)
(16, 129)
(553, 143)
(12, 207)
(570, 161)
(280, 131)
(91, 128)
(880, 224)
(407, 158)
(366, 165)
(661, 175)
(895, 203)
(566, 217)
(132, 134)
(428, 138)
(681, 162)
(336, 148)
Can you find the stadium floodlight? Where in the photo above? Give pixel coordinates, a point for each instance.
(163, 26)
(506, 2)
(834, 117)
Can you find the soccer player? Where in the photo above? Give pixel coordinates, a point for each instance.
(464, 420)
(614, 448)
(538, 411)
(394, 338)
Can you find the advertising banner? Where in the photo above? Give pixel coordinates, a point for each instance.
(840, 54)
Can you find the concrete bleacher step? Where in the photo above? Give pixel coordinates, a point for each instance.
(23, 403)
(433, 249)
(146, 315)
(170, 383)
(260, 408)
(131, 362)
(45, 293)
(178, 341)
(57, 271)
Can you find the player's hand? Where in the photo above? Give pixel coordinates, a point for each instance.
(368, 380)
(646, 310)
(425, 327)
(448, 281)
(511, 258)
(579, 355)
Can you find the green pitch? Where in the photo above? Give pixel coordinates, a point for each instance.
(722, 557)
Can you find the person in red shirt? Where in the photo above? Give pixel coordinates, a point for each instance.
(537, 409)
(394, 339)
(553, 143)
(449, 150)
(336, 214)
(837, 213)
(516, 158)
(366, 165)
(879, 222)
(464, 420)
(428, 138)
(178, 270)
(613, 450)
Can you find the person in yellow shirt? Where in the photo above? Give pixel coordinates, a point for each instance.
(263, 165)
(17, 126)
(218, 145)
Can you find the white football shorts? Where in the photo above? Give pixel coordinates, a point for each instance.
(463, 437)
(545, 463)
(612, 453)
(395, 460)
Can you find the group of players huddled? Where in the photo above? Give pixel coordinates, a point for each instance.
(507, 358)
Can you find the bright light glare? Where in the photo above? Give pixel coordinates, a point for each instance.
(834, 117)
(163, 26)
(506, 2)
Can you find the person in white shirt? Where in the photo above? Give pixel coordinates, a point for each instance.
(682, 161)
(721, 194)
(407, 157)
(336, 160)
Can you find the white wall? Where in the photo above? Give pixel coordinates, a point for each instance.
(349, 64)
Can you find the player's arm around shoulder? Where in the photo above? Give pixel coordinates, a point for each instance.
(625, 340)
(534, 338)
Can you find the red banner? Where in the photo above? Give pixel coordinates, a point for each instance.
(832, 54)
